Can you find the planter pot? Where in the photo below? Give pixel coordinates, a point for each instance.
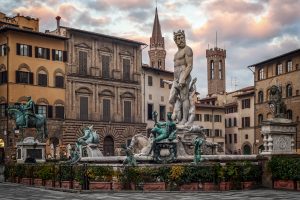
(224, 186)
(57, 185)
(76, 185)
(247, 185)
(208, 186)
(94, 185)
(38, 182)
(189, 187)
(117, 186)
(48, 183)
(12, 179)
(157, 186)
(27, 181)
(18, 179)
(66, 184)
(284, 184)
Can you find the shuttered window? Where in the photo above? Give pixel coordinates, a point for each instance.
(60, 112)
(3, 77)
(59, 81)
(150, 81)
(42, 79)
(24, 50)
(127, 111)
(82, 63)
(3, 49)
(50, 111)
(41, 52)
(162, 113)
(106, 110)
(84, 112)
(24, 77)
(105, 66)
(126, 69)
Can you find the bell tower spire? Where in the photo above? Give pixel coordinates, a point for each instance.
(157, 53)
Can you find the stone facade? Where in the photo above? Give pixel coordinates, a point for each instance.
(284, 71)
(34, 66)
(103, 88)
(212, 118)
(156, 94)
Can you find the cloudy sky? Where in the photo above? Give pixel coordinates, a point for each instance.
(250, 30)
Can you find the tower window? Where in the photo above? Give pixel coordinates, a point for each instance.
(220, 69)
(212, 69)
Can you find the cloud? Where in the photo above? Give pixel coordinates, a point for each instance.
(87, 20)
(119, 4)
(175, 23)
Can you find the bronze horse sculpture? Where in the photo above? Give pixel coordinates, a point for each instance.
(37, 121)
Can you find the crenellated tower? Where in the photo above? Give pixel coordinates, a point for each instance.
(216, 80)
(157, 52)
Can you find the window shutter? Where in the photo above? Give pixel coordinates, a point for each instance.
(84, 106)
(65, 56)
(59, 112)
(126, 69)
(18, 49)
(29, 51)
(50, 111)
(36, 52)
(105, 66)
(36, 109)
(31, 78)
(127, 111)
(48, 54)
(53, 54)
(17, 77)
(106, 110)
(4, 77)
(5, 50)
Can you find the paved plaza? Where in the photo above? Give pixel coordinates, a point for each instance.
(9, 191)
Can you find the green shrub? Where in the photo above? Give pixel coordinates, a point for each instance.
(45, 172)
(285, 168)
(100, 173)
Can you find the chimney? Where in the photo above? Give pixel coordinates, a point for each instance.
(58, 23)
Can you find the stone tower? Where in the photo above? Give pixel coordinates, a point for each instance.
(216, 80)
(157, 52)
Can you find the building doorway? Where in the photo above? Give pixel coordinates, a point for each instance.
(246, 150)
(108, 146)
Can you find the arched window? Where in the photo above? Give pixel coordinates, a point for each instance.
(261, 74)
(260, 97)
(59, 111)
(220, 69)
(108, 146)
(59, 80)
(42, 78)
(260, 118)
(289, 90)
(212, 69)
(289, 114)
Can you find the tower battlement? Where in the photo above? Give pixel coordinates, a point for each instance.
(215, 52)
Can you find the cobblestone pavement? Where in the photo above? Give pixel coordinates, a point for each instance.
(10, 191)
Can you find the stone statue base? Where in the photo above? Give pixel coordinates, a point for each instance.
(91, 150)
(165, 151)
(30, 150)
(278, 136)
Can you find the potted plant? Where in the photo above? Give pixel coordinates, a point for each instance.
(45, 173)
(27, 179)
(20, 172)
(153, 178)
(100, 177)
(66, 176)
(250, 174)
(191, 177)
(208, 178)
(78, 177)
(130, 178)
(284, 172)
(116, 180)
